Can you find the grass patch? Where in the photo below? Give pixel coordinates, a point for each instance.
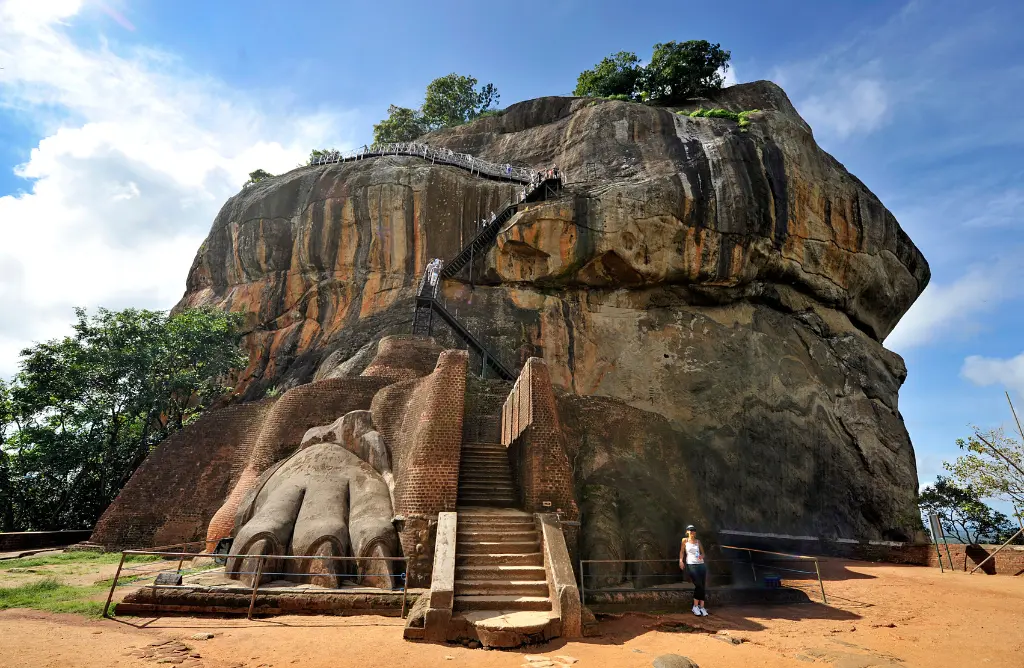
(51, 595)
(742, 118)
(96, 558)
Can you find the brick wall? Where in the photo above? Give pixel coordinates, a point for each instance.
(16, 541)
(532, 432)
(172, 496)
(421, 420)
(298, 410)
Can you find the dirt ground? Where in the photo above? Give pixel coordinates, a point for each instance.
(878, 616)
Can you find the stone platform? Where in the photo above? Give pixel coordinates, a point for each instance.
(211, 592)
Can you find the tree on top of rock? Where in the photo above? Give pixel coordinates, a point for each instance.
(454, 99)
(677, 72)
(402, 124)
(612, 77)
(450, 100)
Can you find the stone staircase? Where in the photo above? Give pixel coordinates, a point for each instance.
(485, 477)
(501, 587)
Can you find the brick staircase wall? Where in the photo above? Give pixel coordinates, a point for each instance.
(532, 431)
(421, 420)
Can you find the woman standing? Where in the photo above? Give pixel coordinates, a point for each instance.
(691, 560)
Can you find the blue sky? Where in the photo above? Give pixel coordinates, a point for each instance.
(124, 125)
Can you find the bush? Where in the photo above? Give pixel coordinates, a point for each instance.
(257, 176)
(741, 117)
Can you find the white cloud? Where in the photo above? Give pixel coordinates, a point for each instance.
(850, 106)
(993, 371)
(729, 77)
(138, 155)
(953, 309)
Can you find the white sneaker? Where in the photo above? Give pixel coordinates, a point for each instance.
(703, 611)
(696, 611)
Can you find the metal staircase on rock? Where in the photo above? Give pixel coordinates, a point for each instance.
(544, 186)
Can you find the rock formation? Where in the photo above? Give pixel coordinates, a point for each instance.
(711, 303)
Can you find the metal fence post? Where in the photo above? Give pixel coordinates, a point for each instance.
(820, 583)
(113, 584)
(405, 585)
(255, 586)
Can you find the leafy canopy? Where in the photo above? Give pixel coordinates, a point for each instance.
(450, 100)
(616, 76)
(988, 473)
(963, 514)
(85, 410)
(454, 99)
(402, 124)
(677, 72)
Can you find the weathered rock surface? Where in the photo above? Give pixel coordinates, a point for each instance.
(712, 302)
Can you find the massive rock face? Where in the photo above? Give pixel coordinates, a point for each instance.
(711, 302)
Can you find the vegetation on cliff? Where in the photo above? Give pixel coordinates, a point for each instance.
(450, 100)
(85, 410)
(677, 71)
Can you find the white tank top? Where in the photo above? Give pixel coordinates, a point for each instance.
(693, 555)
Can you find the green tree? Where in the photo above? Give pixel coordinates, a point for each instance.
(614, 76)
(257, 176)
(962, 513)
(325, 153)
(988, 473)
(454, 99)
(679, 71)
(88, 408)
(402, 124)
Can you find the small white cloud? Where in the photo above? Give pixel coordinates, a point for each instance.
(850, 107)
(952, 309)
(986, 371)
(729, 76)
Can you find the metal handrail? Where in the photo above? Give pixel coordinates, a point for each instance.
(427, 152)
(786, 555)
(263, 558)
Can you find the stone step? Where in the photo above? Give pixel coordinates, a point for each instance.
(483, 448)
(486, 470)
(502, 603)
(465, 495)
(485, 522)
(493, 547)
(496, 535)
(487, 479)
(483, 460)
(487, 487)
(500, 572)
(502, 559)
(483, 444)
(501, 588)
(491, 503)
(510, 514)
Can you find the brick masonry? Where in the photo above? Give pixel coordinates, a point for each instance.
(532, 431)
(172, 496)
(15, 541)
(421, 420)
